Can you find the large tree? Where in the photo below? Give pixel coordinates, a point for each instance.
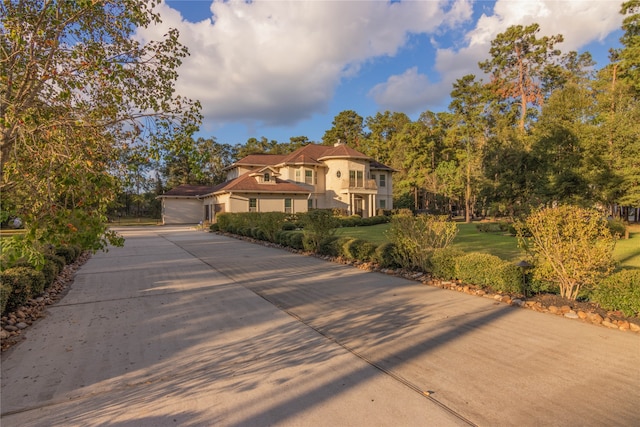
(518, 60)
(348, 128)
(382, 129)
(77, 86)
(630, 53)
(468, 133)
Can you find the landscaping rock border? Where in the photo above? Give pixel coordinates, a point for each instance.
(13, 324)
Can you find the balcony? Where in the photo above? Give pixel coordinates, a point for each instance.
(358, 184)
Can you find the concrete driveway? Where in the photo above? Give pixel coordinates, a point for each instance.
(188, 328)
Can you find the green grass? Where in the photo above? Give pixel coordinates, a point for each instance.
(134, 221)
(469, 239)
(627, 251)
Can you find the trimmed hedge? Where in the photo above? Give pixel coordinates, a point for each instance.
(620, 291)
(68, 253)
(489, 271)
(385, 256)
(5, 292)
(443, 262)
(24, 283)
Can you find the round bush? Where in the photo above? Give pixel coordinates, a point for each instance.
(288, 226)
(617, 228)
(620, 291)
(57, 260)
(50, 270)
(327, 246)
(214, 227)
(385, 255)
(443, 262)
(489, 271)
(66, 252)
(24, 282)
(295, 240)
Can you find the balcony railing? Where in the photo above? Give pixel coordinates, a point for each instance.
(358, 184)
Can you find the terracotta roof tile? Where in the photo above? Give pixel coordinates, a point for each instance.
(186, 190)
(248, 183)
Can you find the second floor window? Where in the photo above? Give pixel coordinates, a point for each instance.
(356, 178)
(308, 176)
(266, 177)
(297, 175)
(383, 180)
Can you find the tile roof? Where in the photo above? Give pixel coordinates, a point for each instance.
(381, 166)
(186, 190)
(343, 151)
(261, 159)
(248, 183)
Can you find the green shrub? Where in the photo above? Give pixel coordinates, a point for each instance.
(50, 271)
(509, 278)
(620, 291)
(214, 227)
(224, 221)
(443, 262)
(78, 251)
(318, 224)
(339, 245)
(288, 226)
(487, 270)
(358, 249)
(5, 292)
(24, 282)
(56, 259)
(345, 248)
(295, 240)
(617, 228)
(385, 255)
(66, 252)
(416, 237)
(571, 247)
(327, 246)
(351, 248)
(308, 244)
(269, 224)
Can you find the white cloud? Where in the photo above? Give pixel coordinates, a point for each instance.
(580, 22)
(408, 92)
(277, 63)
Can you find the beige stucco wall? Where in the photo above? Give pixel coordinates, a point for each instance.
(239, 202)
(181, 210)
(386, 192)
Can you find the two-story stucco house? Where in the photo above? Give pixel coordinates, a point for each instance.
(314, 176)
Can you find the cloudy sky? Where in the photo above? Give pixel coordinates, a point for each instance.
(286, 68)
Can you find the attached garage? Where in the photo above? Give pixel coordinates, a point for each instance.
(183, 204)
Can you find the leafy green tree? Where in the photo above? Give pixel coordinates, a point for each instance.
(469, 133)
(572, 247)
(196, 162)
(383, 127)
(630, 53)
(571, 165)
(518, 60)
(76, 88)
(348, 127)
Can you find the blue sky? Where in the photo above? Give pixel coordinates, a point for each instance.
(280, 69)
